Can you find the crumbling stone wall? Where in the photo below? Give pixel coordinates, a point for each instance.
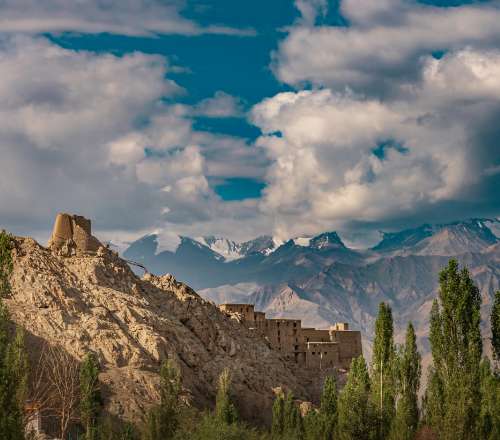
(72, 235)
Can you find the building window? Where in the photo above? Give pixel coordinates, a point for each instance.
(295, 324)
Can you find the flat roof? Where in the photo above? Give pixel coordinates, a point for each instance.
(322, 343)
(284, 319)
(237, 305)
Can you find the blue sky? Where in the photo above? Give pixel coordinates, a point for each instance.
(243, 118)
(239, 66)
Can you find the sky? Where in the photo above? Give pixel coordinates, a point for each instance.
(238, 119)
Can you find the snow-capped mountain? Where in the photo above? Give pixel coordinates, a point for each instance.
(322, 280)
(232, 250)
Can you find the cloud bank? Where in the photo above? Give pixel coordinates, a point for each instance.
(388, 131)
(392, 120)
(122, 17)
(91, 133)
(384, 45)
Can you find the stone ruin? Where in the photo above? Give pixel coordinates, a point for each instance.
(312, 348)
(72, 235)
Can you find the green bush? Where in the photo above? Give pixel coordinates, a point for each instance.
(6, 264)
(211, 428)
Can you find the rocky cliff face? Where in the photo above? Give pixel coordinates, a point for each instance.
(95, 302)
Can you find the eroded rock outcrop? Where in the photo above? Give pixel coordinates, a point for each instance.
(93, 301)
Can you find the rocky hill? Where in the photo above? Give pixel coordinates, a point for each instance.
(94, 302)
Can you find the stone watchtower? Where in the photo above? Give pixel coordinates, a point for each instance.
(72, 235)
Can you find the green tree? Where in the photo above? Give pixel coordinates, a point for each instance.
(432, 404)
(278, 422)
(489, 420)
(456, 347)
(409, 368)
(207, 427)
(162, 421)
(328, 409)
(225, 411)
(90, 395)
(19, 364)
(355, 408)
(293, 427)
(313, 426)
(11, 420)
(383, 370)
(495, 326)
(6, 263)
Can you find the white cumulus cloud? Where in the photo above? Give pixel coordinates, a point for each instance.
(338, 156)
(91, 134)
(383, 45)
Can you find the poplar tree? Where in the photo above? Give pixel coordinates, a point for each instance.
(225, 411)
(489, 419)
(409, 369)
(383, 370)
(90, 396)
(162, 421)
(328, 409)
(278, 417)
(12, 369)
(293, 427)
(313, 426)
(432, 404)
(355, 408)
(11, 420)
(456, 347)
(495, 327)
(6, 264)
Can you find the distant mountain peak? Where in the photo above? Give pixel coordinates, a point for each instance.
(327, 240)
(452, 238)
(405, 238)
(233, 250)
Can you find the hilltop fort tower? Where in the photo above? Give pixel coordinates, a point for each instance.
(72, 234)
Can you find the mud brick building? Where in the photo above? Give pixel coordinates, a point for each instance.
(313, 348)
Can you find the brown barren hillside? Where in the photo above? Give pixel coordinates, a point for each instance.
(94, 302)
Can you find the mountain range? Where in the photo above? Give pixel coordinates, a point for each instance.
(321, 280)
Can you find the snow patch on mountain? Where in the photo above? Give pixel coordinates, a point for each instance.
(302, 241)
(229, 249)
(232, 250)
(166, 241)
